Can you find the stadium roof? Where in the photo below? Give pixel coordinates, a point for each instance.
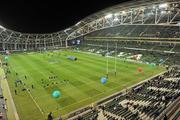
(160, 12)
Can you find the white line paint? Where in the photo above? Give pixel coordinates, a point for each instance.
(37, 105)
(12, 101)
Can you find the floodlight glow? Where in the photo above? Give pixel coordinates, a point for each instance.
(178, 23)
(116, 14)
(169, 12)
(123, 12)
(79, 31)
(165, 5)
(150, 13)
(116, 19)
(163, 12)
(99, 19)
(78, 23)
(2, 27)
(67, 29)
(154, 7)
(108, 16)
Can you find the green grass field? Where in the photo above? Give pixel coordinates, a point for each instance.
(84, 86)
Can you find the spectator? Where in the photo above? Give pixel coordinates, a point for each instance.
(60, 117)
(165, 117)
(32, 86)
(50, 116)
(15, 92)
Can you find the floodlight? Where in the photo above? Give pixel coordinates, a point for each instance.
(178, 23)
(154, 7)
(142, 9)
(163, 12)
(123, 12)
(99, 19)
(79, 31)
(149, 13)
(116, 14)
(108, 16)
(78, 23)
(116, 19)
(165, 5)
(67, 29)
(2, 27)
(169, 12)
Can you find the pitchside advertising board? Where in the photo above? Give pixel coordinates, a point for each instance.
(76, 42)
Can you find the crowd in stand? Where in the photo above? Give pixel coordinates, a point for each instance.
(3, 107)
(147, 100)
(151, 52)
(139, 31)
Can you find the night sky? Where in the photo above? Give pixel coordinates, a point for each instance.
(48, 15)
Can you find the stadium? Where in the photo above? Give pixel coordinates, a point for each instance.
(120, 63)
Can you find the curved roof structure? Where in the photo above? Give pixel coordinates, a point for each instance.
(156, 12)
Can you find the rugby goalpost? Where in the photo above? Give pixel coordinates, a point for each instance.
(107, 60)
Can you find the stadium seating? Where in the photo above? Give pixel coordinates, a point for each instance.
(151, 52)
(3, 107)
(147, 100)
(139, 31)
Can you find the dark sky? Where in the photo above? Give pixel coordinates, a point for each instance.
(48, 15)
